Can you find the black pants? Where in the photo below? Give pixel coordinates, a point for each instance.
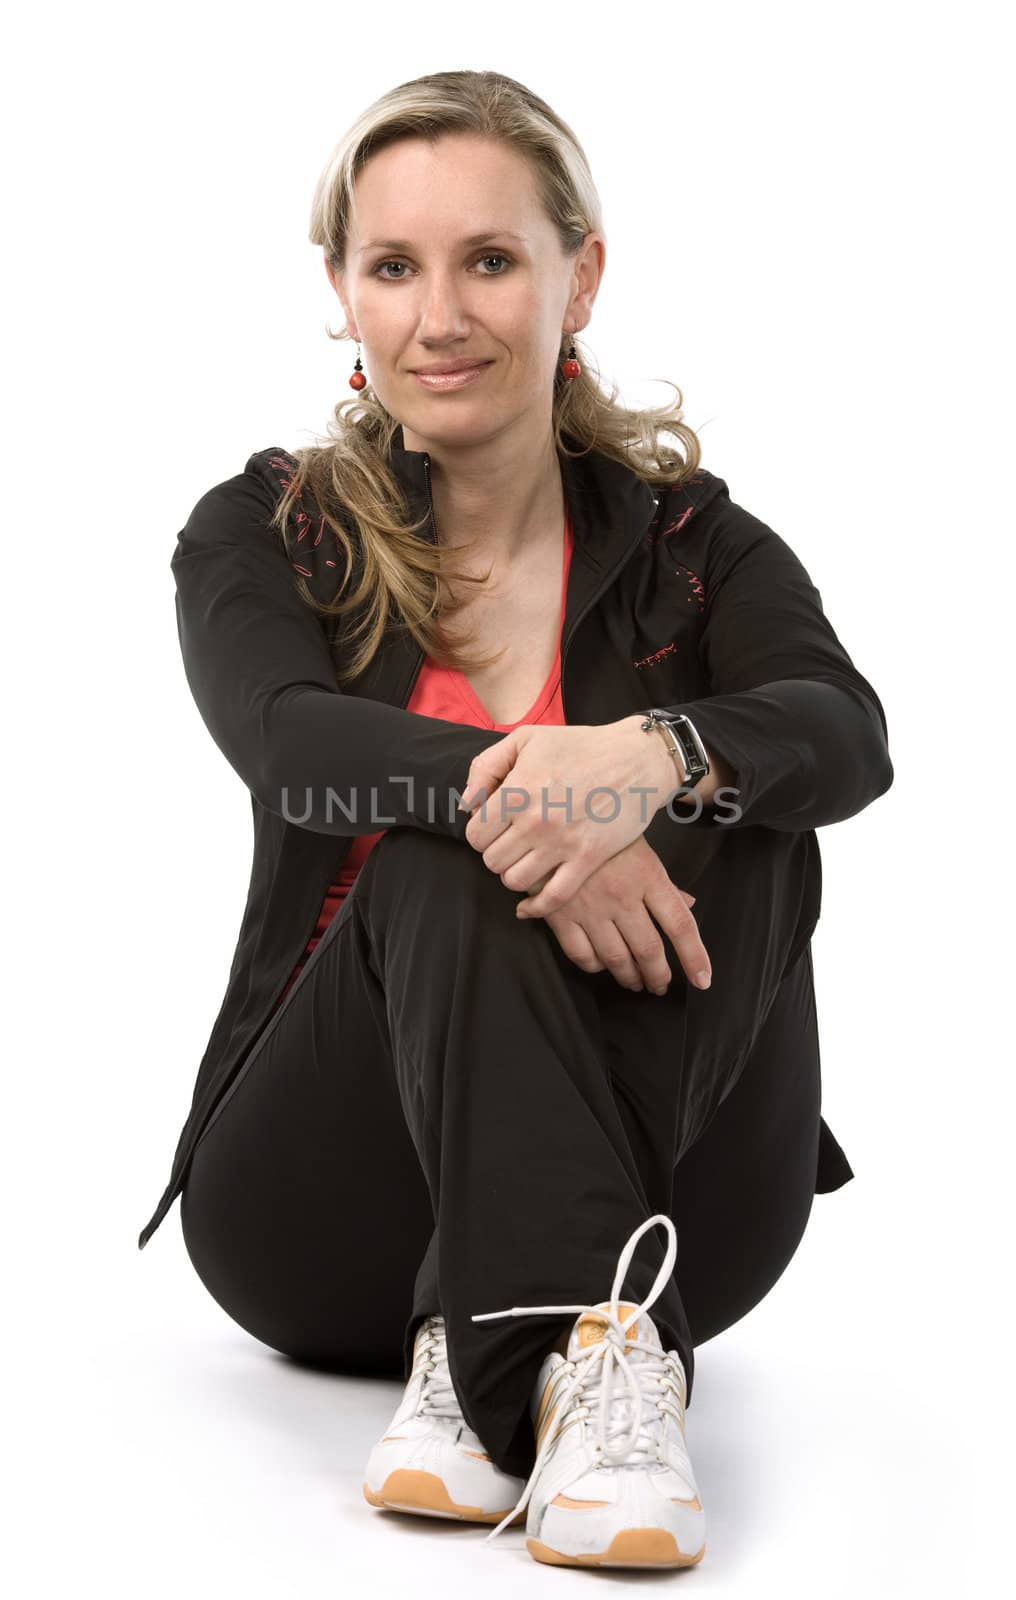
(437, 1058)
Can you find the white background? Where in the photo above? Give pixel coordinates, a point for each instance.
(806, 214)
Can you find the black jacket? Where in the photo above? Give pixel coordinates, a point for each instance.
(676, 598)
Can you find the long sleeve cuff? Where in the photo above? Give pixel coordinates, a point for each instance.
(804, 753)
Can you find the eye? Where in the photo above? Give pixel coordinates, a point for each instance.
(497, 255)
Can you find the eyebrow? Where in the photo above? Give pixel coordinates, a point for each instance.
(474, 238)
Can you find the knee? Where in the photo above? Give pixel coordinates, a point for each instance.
(422, 859)
(416, 843)
(283, 1291)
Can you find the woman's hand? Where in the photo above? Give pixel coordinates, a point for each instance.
(607, 924)
(561, 801)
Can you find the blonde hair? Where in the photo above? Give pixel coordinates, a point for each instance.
(405, 576)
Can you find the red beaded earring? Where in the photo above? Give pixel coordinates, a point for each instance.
(357, 379)
(570, 367)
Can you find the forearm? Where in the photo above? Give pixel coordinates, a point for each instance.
(804, 752)
(345, 765)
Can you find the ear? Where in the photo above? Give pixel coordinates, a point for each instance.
(586, 278)
(336, 281)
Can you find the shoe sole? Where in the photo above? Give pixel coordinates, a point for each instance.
(633, 1547)
(409, 1489)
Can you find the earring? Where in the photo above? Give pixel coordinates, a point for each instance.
(570, 367)
(357, 379)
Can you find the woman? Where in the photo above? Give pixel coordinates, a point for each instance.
(431, 1133)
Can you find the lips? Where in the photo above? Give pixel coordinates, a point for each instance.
(448, 382)
(441, 372)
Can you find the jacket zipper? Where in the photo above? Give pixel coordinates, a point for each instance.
(618, 566)
(419, 653)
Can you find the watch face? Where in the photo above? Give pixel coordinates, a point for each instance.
(695, 760)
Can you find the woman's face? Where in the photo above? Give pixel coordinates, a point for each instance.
(451, 257)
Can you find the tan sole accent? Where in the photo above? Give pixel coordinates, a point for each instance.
(632, 1547)
(409, 1489)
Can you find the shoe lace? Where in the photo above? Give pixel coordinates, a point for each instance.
(437, 1393)
(627, 1428)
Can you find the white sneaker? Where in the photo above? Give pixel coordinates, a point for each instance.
(429, 1460)
(612, 1485)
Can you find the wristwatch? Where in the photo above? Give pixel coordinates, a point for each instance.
(682, 740)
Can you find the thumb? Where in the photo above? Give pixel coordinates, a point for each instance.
(488, 769)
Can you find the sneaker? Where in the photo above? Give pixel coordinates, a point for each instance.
(429, 1460)
(612, 1485)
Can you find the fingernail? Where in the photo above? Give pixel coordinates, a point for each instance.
(704, 978)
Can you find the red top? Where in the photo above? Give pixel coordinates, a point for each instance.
(442, 692)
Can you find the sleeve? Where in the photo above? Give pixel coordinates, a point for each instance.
(804, 732)
(260, 668)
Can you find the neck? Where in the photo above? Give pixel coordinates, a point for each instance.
(504, 497)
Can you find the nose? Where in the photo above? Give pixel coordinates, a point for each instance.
(442, 314)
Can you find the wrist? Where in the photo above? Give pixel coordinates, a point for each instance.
(663, 771)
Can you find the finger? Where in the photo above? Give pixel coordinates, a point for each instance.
(520, 876)
(518, 865)
(566, 880)
(534, 888)
(574, 941)
(484, 826)
(488, 769)
(490, 824)
(681, 929)
(642, 938)
(612, 949)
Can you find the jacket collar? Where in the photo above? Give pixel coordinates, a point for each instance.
(610, 508)
(610, 505)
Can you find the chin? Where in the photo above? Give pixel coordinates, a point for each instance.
(476, 428)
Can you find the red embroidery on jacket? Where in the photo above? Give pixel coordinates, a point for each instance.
(299, 515)
(675, 527)
(695, 584)
(696, 597)
(650, 661)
